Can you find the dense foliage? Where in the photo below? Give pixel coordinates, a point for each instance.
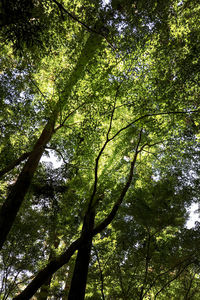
(110, 90)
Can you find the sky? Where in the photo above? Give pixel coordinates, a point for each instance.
(194, 216)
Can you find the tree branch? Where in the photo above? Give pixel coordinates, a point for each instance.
(75, 18)
(68, 116)
(171, 280)
(116, 206)
(101, 151)
(14, 164)
(50, 269)
(151, 115)
(72, 16)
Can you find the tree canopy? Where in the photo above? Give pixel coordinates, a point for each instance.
(110, 89)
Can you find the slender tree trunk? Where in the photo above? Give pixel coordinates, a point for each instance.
(79, 278)
(101, 273)
(14, 200)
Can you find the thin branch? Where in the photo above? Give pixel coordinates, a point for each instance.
(171, 280)
(62, 8)
(13, 285)
(101, 273)
(68, 116)
(101, 151)
(14, 164)
(37, 87)
(149, 152)
(88, 28)
(166, 272)
(116, 206)
(59, 152)
(190, 286)
(113, 110)
(151, 115)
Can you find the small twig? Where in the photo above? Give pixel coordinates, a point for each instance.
(149, 152)
(171, 280)
(62, 8)
(164, 273)
(42, 94)
(59, 152)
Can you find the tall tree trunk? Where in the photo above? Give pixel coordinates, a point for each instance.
(14, 200)
(79, 278)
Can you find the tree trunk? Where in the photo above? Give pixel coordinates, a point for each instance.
(49, 270)
(79, 278)
(14, 200)
(44, 291)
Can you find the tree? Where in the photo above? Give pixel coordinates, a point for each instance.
(105, 109)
